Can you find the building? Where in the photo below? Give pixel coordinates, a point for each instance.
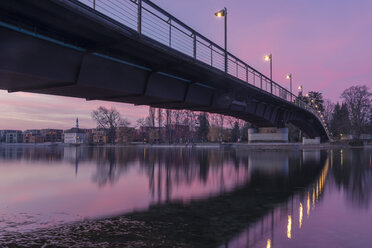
(75, 135)
(99, 136)
(32, 136)
(125, 135)
(11, 136)
(52, 135)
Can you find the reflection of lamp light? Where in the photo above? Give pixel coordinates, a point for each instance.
(289, 227)
(268, 244)
(308, 204)
(301, 212)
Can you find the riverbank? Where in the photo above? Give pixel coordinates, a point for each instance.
(238, 146)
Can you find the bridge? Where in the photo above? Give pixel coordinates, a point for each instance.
(132, 51)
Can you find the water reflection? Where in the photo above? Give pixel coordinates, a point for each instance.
(353, 176)
(268, 228)
(347, 175)
(229, 198)
(81, 182)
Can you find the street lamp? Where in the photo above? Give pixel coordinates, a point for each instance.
(289, 76)
(270, 58)
(300, 89)
(223, 13)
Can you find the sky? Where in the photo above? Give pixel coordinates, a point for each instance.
(325, 44)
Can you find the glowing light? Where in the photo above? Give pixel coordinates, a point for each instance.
(308, 205)
(288, 76)
(267, 57)
(313, 197)
(312, 100)
(301, 210)
(307, 94)
(317, 192)
(289, 227)
(268, 244)
(300, 87)
(221, 13)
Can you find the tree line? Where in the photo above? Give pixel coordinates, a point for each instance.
(172, 126)
(352, 116)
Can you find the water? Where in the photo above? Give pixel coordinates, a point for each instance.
(205, 197)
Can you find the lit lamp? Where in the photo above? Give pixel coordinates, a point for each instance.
(270, 58)
(289, 76)
(300, 88)
(223, 13)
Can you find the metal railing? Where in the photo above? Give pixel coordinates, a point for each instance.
(150, 20)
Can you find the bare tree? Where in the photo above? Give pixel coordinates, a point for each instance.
(160, 122)
(108, 119)
(328, 111)
(357, 99)
(168, 122)
(190, 119)
(141, 122)
(124, 133)
(151, 117)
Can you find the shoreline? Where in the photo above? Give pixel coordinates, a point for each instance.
(237, 146)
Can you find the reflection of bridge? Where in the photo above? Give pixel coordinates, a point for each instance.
(286, 218)
(135, 52)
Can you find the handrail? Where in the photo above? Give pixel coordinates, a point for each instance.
(177, 35)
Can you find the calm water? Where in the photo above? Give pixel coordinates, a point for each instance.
(303, 198)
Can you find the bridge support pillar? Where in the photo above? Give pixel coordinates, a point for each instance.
(315, 141)
(268, 135)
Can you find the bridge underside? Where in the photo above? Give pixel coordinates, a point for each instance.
(113, 63)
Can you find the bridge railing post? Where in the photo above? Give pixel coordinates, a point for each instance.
(139, 17)
(211, 54)
(271, 86)
(261, 81)
(170, 32)
(226, 61)
(194, 45)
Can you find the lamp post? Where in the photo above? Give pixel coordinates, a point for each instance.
(289, 76)
(270, 58)
(300, 89)
(223, 13)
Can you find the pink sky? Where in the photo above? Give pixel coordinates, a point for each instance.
(326, 45)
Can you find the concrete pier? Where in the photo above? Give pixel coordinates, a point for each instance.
(268, 135)
(307, 141)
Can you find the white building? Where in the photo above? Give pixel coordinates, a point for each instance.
(75, 135)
